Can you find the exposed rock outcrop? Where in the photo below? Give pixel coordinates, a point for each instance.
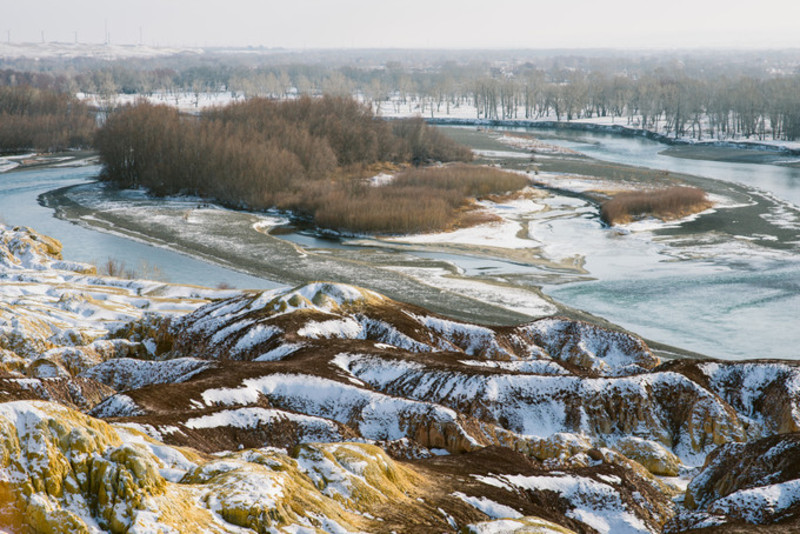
(330, 408)
(757, 483)
(653, 456)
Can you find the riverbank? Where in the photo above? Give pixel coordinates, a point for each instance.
(789, 158)
(728, 150)
(241, 240)
(422, 275)
(33, 160)
(735, 255)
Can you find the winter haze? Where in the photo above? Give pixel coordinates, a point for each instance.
(408, 24)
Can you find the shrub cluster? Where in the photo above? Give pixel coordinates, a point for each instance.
(157, 148)
(38, 119)
(418, 200)
(258, 153)
(428, 144)
(669, 203)
(292, 155)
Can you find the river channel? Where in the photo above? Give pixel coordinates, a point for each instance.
(725, 284)
(19, 206)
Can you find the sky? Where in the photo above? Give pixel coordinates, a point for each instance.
(459, 24)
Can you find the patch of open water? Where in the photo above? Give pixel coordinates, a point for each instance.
(722, 295)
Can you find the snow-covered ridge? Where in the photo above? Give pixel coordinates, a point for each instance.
(313, 398)
(575, 378)
(251, 325)
(48, 305)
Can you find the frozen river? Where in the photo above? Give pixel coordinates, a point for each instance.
(19, 206)
(726, 284)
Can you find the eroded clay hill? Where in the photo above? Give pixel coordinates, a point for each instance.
(137, 406)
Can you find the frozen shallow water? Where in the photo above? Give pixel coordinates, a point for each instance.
(782, 181)
(719, 293)
(19, 207)
(725, 283)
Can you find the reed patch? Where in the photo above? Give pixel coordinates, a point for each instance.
(666, 204)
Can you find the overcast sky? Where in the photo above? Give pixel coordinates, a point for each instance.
(409, 23)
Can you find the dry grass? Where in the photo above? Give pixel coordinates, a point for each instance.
(471, 216)
(469, 181)
(665, 204)
(417, 200)
(385, 211)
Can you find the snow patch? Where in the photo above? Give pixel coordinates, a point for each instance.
(489, 507)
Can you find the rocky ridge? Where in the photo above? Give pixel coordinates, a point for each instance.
(133, 406)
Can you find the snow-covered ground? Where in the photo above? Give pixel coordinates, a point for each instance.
(184, 101)
(372, 370)
(12, 162)
(56, 50)
(49, 303)
(395, 107)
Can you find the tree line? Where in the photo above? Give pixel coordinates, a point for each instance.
(699, 95)
(669, 102)
(42, 119)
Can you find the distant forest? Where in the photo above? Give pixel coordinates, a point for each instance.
(42, 119)
(754, 95)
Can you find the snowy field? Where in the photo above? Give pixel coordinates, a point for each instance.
(54, 50)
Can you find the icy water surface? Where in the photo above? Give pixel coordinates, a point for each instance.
(20, 190)
(725, 284)
(717, 295)
(782, 182)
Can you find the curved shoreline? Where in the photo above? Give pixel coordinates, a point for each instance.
(616, 129)
(465, 307)
(459, 307)
(263, 255)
